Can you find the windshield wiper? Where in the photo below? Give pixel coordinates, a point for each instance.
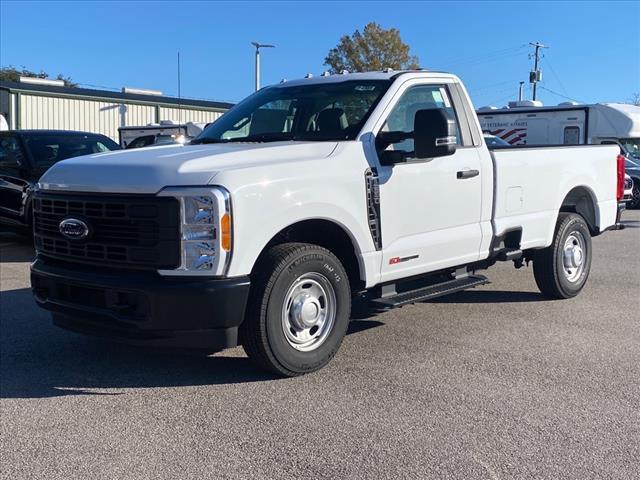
(258, 138)
(198, 141)
(263, 137)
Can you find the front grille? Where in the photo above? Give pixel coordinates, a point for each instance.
(628, 183)
(132, 231)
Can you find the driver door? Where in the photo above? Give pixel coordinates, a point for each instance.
(430, 208)
(14, 178)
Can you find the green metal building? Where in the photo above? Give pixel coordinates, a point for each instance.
(32, 106)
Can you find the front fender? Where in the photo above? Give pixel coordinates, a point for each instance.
(255, 228)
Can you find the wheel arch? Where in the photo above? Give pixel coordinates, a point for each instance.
(582, 200)
(328, 234)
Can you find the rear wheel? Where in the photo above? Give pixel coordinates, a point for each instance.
(561, 270)
(298, 310)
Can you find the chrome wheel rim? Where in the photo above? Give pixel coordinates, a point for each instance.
(309, 312)
(574, 256)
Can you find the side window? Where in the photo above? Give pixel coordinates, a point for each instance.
(420, 97)
(571, 135)
(44, 150)
(100, 147)
(10, 152)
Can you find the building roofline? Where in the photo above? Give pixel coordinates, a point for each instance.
(106, 94)
(53, 131)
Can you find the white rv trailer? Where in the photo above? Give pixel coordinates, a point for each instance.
(569, 123)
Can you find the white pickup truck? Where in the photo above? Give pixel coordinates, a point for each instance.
(304, 196)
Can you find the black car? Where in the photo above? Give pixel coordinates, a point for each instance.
(632, 167)
(26, 154)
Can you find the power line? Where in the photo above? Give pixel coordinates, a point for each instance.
(486, 57)
(480, 61)
(560, 95)
(489, 86)
(501, 99)
(547, 62)
(494, 52)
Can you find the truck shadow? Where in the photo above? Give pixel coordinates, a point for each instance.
(491, 296)
(38, 360)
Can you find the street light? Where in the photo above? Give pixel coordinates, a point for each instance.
(258, 47)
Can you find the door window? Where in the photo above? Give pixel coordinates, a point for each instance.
(571, 135)
(421, 97)
(10, 152)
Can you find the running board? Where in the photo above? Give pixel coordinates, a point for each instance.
(432, 291)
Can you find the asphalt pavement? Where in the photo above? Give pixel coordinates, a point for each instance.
(492, 383)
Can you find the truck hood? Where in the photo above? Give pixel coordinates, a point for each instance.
(148, 170)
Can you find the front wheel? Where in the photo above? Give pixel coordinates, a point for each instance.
(298, 310)
(561, 270)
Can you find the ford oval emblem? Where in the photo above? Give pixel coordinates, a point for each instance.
(73, 229)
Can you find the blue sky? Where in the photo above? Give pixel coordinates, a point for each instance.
(594, 54)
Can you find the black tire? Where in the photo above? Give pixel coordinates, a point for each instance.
(549, 263)
(263, 331)
(634, 203)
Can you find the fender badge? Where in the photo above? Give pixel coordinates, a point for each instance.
(394, 260)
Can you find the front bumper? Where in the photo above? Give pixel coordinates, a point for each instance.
(142, 308)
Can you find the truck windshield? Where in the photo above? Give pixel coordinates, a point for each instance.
(632, 146)
(321, 112)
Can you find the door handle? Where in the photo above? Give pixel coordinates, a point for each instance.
(467, 174)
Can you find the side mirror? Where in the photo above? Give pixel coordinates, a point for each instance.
(434, 134)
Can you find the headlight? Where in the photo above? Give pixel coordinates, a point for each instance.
(205, 230)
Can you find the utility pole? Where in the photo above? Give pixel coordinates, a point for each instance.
(258, 47)
(536, 75)
(179, 94)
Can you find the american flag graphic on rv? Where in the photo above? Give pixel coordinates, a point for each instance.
(513, 136)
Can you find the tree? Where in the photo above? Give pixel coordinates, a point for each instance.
(373, 49)
(12, 74)
(635, 99)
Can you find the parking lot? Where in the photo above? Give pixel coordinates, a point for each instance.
(496, 382)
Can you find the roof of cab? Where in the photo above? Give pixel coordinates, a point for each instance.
(344, 77)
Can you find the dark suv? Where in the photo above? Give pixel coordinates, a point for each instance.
(26, 154)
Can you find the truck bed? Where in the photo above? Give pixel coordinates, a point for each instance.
(531, 182)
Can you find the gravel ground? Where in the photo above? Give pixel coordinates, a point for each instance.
(496, 382)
